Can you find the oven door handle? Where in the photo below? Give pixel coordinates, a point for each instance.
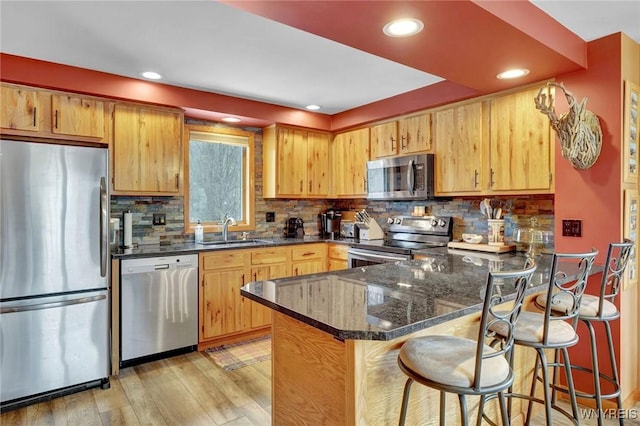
(368, 255)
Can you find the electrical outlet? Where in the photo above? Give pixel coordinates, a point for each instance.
(571, 228)
(271, 216)
(159, 219)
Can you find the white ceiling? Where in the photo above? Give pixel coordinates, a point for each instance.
(213, 47)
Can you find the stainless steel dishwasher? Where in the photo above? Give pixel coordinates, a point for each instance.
(158, 307)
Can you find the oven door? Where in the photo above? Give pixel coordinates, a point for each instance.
(361, 257)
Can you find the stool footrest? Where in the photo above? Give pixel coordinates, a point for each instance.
(532, 399)
(581, 394)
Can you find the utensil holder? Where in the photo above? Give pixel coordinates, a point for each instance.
(495, 236)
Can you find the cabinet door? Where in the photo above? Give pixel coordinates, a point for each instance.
(77, 116)
(414, 134)
(312, 266)
(292, 162)
(147, 150)
(384, 139)
(260, 314)
(308, 259)
(520, 144)
(351, 153)
(224, 311)
(459, 139)
(19, 109)
(338, 257)
(317, 164)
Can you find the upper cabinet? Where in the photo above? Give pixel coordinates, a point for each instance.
(147, 150)
(350, 156)
(295, 163)
(460, 134)
(408, 135)
(31, 112)
(521, 149)
(500, 145)
(384, 139)
(414, 134)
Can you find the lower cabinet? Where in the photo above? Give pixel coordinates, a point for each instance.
(338, 256)
(308, 259)
(225, 315)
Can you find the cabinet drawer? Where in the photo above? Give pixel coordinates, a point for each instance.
(338, 251)
(268, 256)
(224, 260)
(309, 251)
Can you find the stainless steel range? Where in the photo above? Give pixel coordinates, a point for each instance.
(403, 235)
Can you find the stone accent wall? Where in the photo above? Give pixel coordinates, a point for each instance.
(466, 210)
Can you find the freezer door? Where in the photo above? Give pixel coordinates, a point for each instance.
(50, 343)
(52, 219)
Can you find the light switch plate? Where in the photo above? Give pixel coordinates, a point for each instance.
(571, 228)
(159, 219)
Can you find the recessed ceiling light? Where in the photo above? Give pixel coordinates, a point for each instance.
(313, 107)
(404, 27)
(151, 75)
(514, 73)
(231, 119)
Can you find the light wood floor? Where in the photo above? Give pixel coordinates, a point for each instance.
(184, 390)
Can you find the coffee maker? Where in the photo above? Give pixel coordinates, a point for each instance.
(330, 224)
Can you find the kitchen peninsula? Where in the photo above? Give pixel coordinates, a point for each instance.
(336, 335)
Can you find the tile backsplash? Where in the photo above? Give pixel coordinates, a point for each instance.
(464, 210)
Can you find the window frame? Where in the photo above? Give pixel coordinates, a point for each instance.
(249, 223)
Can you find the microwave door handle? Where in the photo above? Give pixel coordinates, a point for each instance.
(411, 177)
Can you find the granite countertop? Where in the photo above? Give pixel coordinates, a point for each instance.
(153, 250)
(383, 302)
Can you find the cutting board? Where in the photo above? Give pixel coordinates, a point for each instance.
(481, 247)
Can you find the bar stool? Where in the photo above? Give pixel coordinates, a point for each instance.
(600, 309)
(553, 330)
(469, 367)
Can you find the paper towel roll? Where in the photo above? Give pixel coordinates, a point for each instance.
(128, 216)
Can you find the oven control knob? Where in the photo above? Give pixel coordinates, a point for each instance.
(398, 221)
(390, 221)
(434, 222)
(442, 223)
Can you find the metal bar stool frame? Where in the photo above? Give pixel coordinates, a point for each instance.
(602, 309)
(492, 298)
(560, 286)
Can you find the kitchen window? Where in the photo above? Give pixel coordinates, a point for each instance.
(219, 178)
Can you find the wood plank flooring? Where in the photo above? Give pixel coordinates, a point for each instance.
(184, 390)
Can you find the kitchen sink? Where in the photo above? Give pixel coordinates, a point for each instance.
(250, 242)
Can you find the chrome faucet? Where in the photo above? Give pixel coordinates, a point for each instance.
(225, 226)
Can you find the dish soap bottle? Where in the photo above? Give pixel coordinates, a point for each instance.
(199, 233)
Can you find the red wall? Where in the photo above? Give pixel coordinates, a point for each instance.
(594, 195)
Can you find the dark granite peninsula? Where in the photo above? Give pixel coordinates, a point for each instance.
(336, 335)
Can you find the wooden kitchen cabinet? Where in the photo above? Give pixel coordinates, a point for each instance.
(414, 134)
(521, 151)
(77, 116)
(499, 145)
(350, 156)
(223, 311)
(337, 255)
(267, 264)
(384, 139)
(32, 112)
(460, 133)
(407, 135)
(308, 259)
(147, 150)
(295, 163)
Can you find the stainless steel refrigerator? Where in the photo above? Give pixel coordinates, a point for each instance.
(54, 271)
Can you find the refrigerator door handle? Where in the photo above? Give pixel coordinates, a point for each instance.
(104, 231)
(49, 305)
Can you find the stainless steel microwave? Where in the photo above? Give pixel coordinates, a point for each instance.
(400, 178)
